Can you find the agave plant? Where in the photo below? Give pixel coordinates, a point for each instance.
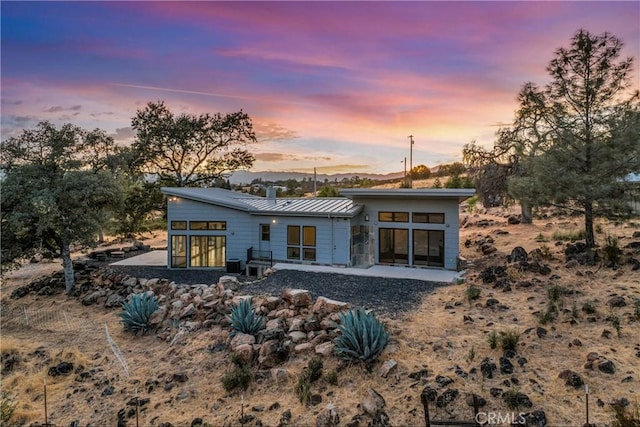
(362, 338)
(137, 312)
(244, 319)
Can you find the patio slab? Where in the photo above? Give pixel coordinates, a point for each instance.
(153, 258)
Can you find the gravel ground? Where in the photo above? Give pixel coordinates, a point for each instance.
(384, 295)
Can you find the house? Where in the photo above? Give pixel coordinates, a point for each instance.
(217, 228)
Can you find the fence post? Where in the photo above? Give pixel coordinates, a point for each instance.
(46, 420)
(425, 404)
(586, 392)
(475, 409)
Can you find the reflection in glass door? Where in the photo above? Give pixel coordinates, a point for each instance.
(207, 251)
(428, 248)
(394, 246)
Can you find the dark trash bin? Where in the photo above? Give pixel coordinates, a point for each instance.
(234, 265)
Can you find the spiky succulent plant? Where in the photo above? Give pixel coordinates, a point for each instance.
(137, 312)
(244, 319)
(362, 337)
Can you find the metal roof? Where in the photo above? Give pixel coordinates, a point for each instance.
(409, 193)
(317, 206)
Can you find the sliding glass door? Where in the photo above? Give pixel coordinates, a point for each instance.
(428, 248)
(394, 246)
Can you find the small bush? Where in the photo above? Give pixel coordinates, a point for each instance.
(138, 311)
(471, 355)
(541, 238)
(239, 377)
(303, 388)
(549, 315)
(569, 236)
(7, 408)
(575, 313)
(332, 377)
(362, 337)
(545, 253)
(244, 319)
(492, 338)
(512, 398)
(598, 228)
(554, 293)
(611, 251)
(315, 368)
(311, 373)
(636, 309)
(513, 273)
(472, 204)
(472, 293)
(589, 307)
(509, 340)
(615, 323)
(624, 417)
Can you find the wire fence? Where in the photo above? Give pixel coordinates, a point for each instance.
(55, 320)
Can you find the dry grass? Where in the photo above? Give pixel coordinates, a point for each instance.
(430, 337)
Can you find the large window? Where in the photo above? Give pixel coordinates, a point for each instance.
(428, 247)
(178, 251)
(207, 225)
(393, 216)
(394, 245)
(207, 251)
(428, 218)
(301, 242)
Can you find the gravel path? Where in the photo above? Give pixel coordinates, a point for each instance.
(383, 295)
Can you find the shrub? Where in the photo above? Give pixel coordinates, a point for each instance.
(471, 355)
(589, 307)
(611, 251)
(623, 417)
(575, 313)
(549, 315)
(315, 368)
(472, 293)
(7, 408)
(509, 340)
(472, 204)
(244, 319)
(545, 253)
(512, 398)
(311, 373)
(569, 236)
(138, 311)
(362, 337)
(492, 338)
(332, 377)
(636, 309)
(554, 293)
(541, 238)
(615, 323)
(239, 376)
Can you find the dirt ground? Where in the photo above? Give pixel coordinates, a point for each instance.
(446, 334)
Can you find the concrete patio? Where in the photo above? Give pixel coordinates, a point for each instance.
(159, 259)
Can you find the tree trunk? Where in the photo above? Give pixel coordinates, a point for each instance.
(69, 280)
(589, 237)
(100, 235)
(526, 211)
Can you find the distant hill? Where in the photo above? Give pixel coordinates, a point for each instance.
(245, 177)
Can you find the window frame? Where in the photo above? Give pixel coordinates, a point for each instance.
(430, 217)
(208, 225)
(302, 246)
(178, 225)
(265, 231)
(394, 216)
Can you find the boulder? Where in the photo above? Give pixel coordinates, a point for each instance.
(447, 397)
(373, 403)
(229, 282)
(240, 339)
(518, 254)
(245, 351)
(572, 379)
(325, 349)
(328, 417)
(325, 305)
(297, 297)
(387, 367)
(297, 336)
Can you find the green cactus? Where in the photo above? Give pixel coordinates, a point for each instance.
(244, 319)
(362, 338)
(137, 312)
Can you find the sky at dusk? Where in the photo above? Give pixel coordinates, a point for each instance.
(333, 85)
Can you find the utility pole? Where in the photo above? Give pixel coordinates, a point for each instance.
(405, 170)
(410, 161)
